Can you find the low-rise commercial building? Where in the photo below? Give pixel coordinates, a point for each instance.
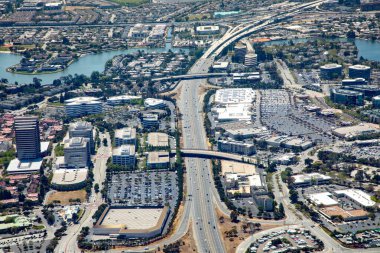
(154, 103)
(304, 180)
(158, 160)
(322, 199)
(150, 121)
(357, 196)
(356, 81)
(346, 97)
(355, 131)
(158, 140)
(125, 156)
(207, 29)
(125, 136)
(132, 223)
(238, 147)
(69, 179)
(81, 106)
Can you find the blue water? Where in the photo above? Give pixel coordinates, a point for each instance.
(95, 62)
(84, 65)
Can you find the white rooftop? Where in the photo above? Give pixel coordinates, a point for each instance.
(17, 167)
(359, 196)
(308, 177)
(235, 96)
(322, 199)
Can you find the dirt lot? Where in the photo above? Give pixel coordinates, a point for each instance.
(64, 197)
(233, 233)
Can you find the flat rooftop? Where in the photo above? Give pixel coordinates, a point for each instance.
(332, 211)
(133, 218)
(158, 157)
(158, 139)
(238, 168)
(69, 176)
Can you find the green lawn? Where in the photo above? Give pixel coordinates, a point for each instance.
(130, 2)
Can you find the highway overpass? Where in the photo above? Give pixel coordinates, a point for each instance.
(211, 154)
(190, 76)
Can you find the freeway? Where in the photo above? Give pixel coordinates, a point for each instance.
(246, 29)
(199, 176)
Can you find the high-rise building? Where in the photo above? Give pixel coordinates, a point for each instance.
(28, 142)
(83, 129)
(77, 152)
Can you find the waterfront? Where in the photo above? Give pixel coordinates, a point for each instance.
(84, 65)
(96, 62)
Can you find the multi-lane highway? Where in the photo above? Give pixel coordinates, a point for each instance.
(199, 178)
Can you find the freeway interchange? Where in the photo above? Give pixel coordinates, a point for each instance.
(203, 199)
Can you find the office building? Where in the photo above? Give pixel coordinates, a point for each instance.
(376, 102)
(250, 60)
(356, 81)
(331, 71)
(238, 147)
(83, 129)
(207, 29)
(304, 180)
(154, 103)
(369, 91)
(81, 106)
(359, 71)
(125, 136)
(359, 197)
(77, 152)
(121, 100)
(27, 135)
(158, 140)
(158, 160)
(124, 156)
(240, 50)
(346, 97)
(150, 121)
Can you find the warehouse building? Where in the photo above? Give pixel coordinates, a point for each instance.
(132, 223)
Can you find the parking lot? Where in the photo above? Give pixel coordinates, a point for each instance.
(143, 188)
(368, 239)
(285, 241)
(280, 114)
(24, 243)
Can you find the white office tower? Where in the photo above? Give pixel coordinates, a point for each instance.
(250, 60)
(77, 152)
(83, 129)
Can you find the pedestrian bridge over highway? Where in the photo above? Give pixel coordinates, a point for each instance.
(189, 77)
(211, 154)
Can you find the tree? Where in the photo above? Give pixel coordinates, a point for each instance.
(105, 142)
(50, 218)
(281, 209)
(234, 216)
(293, 196)
(351, 34)
(96, 187)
